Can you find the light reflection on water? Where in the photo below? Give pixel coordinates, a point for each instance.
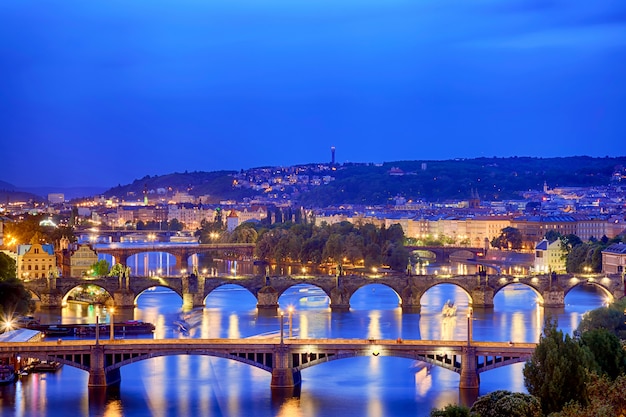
(370, 386)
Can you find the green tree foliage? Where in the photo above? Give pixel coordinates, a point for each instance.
(610, 318)
(244, 233)
(210, 232)
(505, 403)
(451, 410)
(343, 242)
(7, 267)
(14, 297)
(557, 372)
(607, 351)
(100, 268)
(30, 231)
(117, 270)
(607, 398)
(509, 238)
(552, 235)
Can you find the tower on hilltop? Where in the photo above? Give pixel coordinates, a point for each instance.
(332, 155)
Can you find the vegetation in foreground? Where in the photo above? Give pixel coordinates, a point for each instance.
(580, 376)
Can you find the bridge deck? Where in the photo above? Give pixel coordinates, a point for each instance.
(85, 345)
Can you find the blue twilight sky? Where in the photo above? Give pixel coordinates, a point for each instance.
(101, 92)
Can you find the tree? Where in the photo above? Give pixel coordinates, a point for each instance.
(610, 318)
(14, 297)
(505, 403)
(552, 235)
(100, 268)
(558, 369)
(333, 250)
(7, 267)
(509, 238)
(451, 410)
(176, 226)
(607, 352)
(606, 399)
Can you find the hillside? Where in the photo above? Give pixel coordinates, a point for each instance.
(491, 178)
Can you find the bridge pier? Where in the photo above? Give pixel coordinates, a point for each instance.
(553, 298)
(51, 300)
(283, 374)
(482, 297)
(193, 292)
(339, 299)
(469, 374)
(98, 377)
(410, 299)
(123, 299)
(267, 298)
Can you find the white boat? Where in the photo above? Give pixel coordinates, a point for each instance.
(7, 374)
(449, 309)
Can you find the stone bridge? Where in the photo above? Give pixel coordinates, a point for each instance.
(181, 252)
(442, 254)
(480, 289)
(284, 360)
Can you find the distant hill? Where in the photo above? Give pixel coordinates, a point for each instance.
(491, 178)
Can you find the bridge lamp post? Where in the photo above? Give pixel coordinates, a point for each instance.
(469, 327)
(112, 322)
(282, 317)
(290, 310)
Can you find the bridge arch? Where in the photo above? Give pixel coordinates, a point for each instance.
(510, 284)
(374, 286)
(144, 289)
(307, 286)
(304, 296)
(463, 289)
(70, 290)
(262, 361)
(597, 285)
(211, 291)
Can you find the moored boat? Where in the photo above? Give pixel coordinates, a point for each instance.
(7, 374)
(45, 366)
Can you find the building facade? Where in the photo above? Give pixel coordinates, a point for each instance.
(36, 261)
(614, 259)
(81, 260)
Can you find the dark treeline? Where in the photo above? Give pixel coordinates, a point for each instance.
(360, 245)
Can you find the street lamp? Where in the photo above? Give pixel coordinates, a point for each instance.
(112, 323)
(469, 326)
(282, 316)
(290, 309)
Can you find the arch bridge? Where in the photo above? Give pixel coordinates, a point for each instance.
(480, 289)
(284, 360)
(181, 252)
(443, 253)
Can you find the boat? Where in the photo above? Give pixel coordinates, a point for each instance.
(26, 321)
(449, 309)
(45, 366)
(57, 331)
(7, 374)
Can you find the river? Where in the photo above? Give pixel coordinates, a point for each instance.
(364, 386)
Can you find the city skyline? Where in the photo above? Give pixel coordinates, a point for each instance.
(103, 94)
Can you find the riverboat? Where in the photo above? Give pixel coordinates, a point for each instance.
(130, 327)
(38, 366)
(51, 329)
(7, 374)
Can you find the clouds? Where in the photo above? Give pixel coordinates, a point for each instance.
(189, 85)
